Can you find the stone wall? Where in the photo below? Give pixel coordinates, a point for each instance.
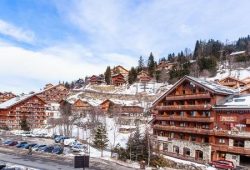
(206, 149)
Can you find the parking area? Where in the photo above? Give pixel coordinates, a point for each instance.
(55, 144)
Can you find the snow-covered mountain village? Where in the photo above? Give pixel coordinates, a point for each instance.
(136, 119)
(120, 85)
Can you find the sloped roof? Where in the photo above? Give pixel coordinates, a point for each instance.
(210, 86)
(15, 100)
(229, 77)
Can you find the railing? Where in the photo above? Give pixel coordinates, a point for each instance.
(183, 129)
(189, 96)
(231, 149)
(184, 107)
(187, 119)
(228, 133)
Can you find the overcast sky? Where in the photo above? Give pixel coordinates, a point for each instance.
(44, 41)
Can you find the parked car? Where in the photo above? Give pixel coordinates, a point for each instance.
(79, 148)
(29, 145)
(47, 149)
(41, 149)
(57, 150)
(37, 147)
(70, 141)
(55, 136)
(7, 142)
(60, 139)
(223, 164)
(13, 143)
(21, 144)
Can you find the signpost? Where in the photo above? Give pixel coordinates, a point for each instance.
(81, 161)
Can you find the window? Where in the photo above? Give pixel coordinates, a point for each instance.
(221, 140)
(193, 138)
(206, 113)
(182, 124)
(172, 123)
(183, 91)
(206, 126)
(181, 113)
(165, 146)
(186, 151)
(182, 136)
(193, 113)
(239, 143)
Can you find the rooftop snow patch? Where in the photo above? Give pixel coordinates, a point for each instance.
(14, 101)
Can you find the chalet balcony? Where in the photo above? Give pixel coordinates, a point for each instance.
(189, 96)
(184, 107)
(183, 129)
(231, 149)
(228, 133)
(186, 119)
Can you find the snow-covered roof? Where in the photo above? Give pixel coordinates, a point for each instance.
(241, 100)
(14, 101)
(213, 86)
(237, 53)
(237, 101)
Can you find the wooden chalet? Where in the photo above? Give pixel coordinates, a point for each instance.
(118, 80)
(82, 106)
(107, 105)
(28, 107)
(6, 96)
(232, 82)
(96, 80)
(53, 93)
(143, 77)
(187, 123)
(165, 65)
(119, 70)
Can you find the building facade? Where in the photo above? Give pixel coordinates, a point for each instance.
(28, 107)
(52, 94)
(185, 124)
(118, 80)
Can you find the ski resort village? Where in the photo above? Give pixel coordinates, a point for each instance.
(124, 85)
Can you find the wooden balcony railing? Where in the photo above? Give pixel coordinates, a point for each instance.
(185, 119)
(183, 129)
(189, 96)
(184, 107)
(227, 133)
(231, 149)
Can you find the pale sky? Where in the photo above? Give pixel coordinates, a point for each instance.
(44, 41)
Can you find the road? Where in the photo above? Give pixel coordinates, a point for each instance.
(45, 164)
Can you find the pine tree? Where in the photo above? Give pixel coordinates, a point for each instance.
(134, 145)
(196, 50)
(151, 65)
(107, 75)
(101, 139)
(140, 64)
(132, 75)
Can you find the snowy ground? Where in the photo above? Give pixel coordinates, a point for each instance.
(239, 73)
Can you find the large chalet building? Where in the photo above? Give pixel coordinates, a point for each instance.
(52, 93)
(29, 107)
(192, 121)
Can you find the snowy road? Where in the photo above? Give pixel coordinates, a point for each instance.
(45, 164)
